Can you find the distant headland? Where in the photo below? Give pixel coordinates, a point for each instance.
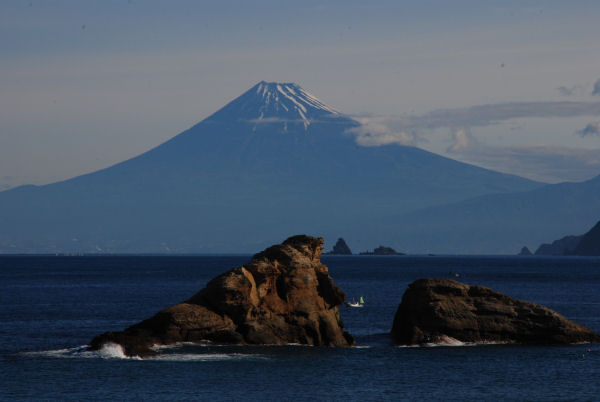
(587, 244)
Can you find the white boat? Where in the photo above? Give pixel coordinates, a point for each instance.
(359, 303)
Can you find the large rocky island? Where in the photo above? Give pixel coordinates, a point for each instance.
(444, 310)
(283, 295)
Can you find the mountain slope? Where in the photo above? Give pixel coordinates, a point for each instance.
(272, 162)
(590, 242)
(563, 246)
(498, 223)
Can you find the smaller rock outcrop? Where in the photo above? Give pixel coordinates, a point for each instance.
(284, 295)
(340, 248)
(382, 250)
(525, 251)
(438, 310)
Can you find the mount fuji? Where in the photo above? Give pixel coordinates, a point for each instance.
(274, 162)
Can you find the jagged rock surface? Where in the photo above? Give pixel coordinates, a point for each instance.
(434, 309)
(284, 295)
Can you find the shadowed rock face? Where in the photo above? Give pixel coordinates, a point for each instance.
(434, 309)
(284, 295)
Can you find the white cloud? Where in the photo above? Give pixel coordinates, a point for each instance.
(411, 130)
(463, 141)
(374, 132)
(542, 161)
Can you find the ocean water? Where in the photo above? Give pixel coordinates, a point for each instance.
(51, 307)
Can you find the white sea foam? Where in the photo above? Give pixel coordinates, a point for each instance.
(205, 357)
(57, 353)
(181, 352)
(114, 351)
(445, 340)
(108, 351)
(158, 348)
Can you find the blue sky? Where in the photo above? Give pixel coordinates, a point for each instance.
(88, 84)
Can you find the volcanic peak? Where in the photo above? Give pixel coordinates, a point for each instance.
(301, 99)
(269, 102)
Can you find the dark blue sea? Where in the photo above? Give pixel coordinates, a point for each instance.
(51, 307)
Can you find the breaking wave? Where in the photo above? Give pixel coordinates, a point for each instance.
(108, 351)
(115, 351)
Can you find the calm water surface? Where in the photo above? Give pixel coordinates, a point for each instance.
(51, 307)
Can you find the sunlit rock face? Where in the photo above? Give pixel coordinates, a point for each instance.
(283, 295)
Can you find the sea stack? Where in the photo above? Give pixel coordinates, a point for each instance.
(525, 251)
(443, 311)
(283, 295)
(340, 248)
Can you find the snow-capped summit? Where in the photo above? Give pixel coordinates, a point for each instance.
(289, 96)
(286, 103)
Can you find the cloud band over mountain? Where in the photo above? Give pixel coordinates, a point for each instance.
(474, 116)
(545, 162)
